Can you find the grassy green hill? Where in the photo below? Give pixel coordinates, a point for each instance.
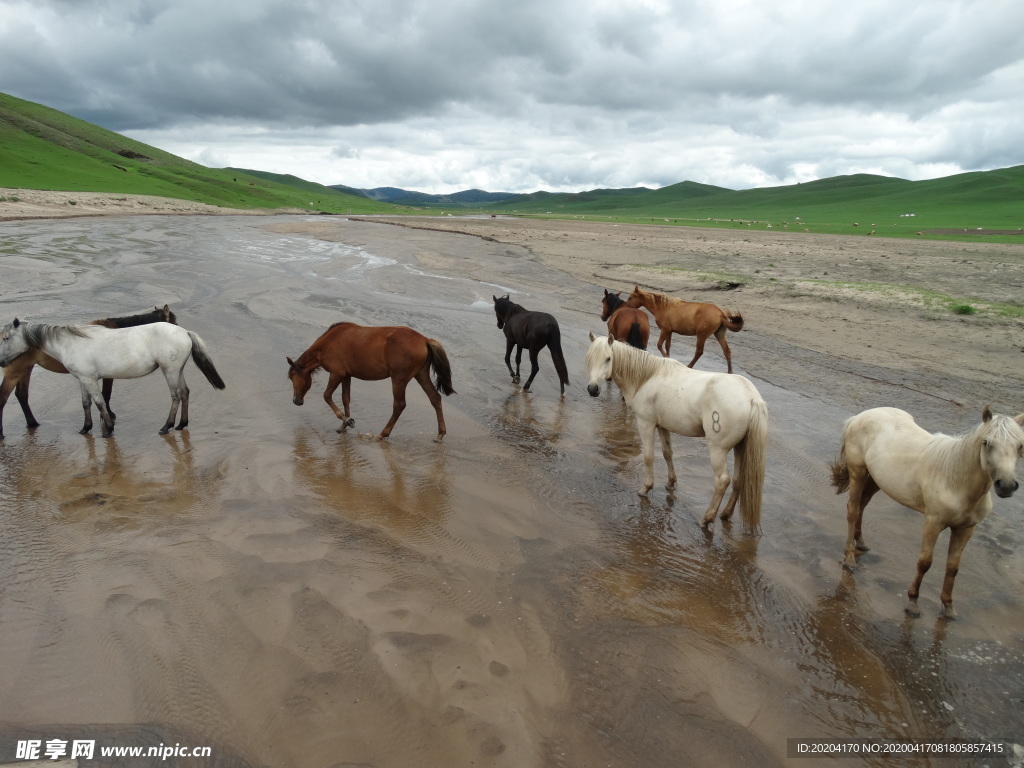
(968, 205)
(42, 148)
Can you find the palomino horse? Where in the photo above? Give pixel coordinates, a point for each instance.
(92, 353)
(532, 331)
(689, 318)
(945, 478)
(399, 353)
(19, 372)
(625, 323)
(666, 396)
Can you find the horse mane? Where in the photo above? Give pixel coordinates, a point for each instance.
(614, 301)
(631, 367)
(129, 321)
(37, 334)
(956, 457)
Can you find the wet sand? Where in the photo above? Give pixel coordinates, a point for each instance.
(291, 596)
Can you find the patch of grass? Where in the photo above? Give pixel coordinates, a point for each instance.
(963, 309)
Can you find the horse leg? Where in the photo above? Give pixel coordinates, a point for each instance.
(932, 529)
(509, 344)
(666, 451)
(183, 393)
(423, 378)
(720, 335)
(862, 488)
(665, 341)
(91, 394)
(958, 538)
(737, 485)
(108, 388)
(701, 338)
(646, 429)
(398, 386)
(534, 367)
(174, 382)
(21, 393)
(720, 469)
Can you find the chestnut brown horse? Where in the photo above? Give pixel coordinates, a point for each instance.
(625, 323)
(18, 373)
(689, 318)
(372, 354)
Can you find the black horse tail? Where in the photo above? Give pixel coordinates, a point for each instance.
(634, 339)
(555, 345)
(437, 358)
(203, 362)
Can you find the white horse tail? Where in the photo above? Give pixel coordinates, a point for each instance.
(750, 454)
(839, 469)
(203, 362)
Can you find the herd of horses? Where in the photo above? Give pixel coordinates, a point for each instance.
(947, 479)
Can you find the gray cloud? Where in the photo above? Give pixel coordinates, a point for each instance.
(553, 94)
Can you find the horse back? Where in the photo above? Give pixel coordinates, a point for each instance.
(372, 353)
(532, 329)
(891, 446)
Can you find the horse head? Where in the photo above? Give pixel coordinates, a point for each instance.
(301, 381)
(1002, 443)
(166, 315)
(501, 308)
(610, 303)
(635, 300)
(12, 343)
(599, 362)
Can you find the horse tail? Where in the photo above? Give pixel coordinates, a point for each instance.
(634, 338)
(749, 455)
(555, 345)
(732, 321)
(203, 362)
(437, 359)
(839, 469)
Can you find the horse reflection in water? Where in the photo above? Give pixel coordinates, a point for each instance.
(947, 479)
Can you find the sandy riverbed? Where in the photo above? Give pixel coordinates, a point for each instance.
(293, 596)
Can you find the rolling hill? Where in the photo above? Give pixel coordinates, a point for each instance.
(46, 149)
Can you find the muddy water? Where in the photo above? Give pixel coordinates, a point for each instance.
(290, 596)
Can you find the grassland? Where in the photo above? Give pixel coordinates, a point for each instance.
(46, 149)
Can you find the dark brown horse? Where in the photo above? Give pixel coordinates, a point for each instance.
(18, 374)
(625, 323)
(532, 331)
(372, 354)
(689, 318)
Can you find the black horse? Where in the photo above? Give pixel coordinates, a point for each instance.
(532, 331)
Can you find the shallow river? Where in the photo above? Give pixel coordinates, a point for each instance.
(291, 596)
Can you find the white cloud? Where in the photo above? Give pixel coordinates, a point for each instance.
(559, 94)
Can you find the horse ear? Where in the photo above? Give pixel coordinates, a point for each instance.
(611, 339)
(592, 336)
(495, 298)
(1019, 418)
(986, 414)
(606, 292)
(16, 322)
(291, 363)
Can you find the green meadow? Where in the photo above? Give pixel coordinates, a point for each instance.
(42, 148)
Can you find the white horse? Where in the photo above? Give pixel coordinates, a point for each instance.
(666, 396)
(945, 478)
(93, 353)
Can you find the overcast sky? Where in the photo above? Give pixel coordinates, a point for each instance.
(562, 95)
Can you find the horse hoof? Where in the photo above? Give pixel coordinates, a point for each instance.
(350, 422)
(85, 431)
(913, 611)
(863, 548)
(107, 434)
(165, 430)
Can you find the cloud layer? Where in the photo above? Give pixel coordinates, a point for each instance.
(559, 94)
